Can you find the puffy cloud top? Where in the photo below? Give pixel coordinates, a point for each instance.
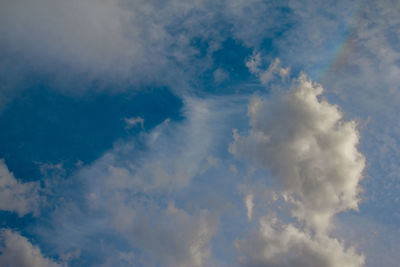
(284, 245)
(312, 152)
(309, 148)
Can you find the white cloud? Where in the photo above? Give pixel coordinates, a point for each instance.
(283, 245)
(312, 154)
(16, 250)
(308, 148)
(17, 196)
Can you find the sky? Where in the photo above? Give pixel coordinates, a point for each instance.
(240, 133)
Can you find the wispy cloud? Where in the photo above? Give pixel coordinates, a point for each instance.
(132, 122)
(17, 196)
(132, 194)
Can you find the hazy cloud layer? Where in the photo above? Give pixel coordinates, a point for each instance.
(131, 194)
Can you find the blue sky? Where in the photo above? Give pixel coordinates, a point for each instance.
(207, 133)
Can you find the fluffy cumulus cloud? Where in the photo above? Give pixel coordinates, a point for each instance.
(312, 154)
(308, 148)
(16, 250)
(284, 245)
(16, 196)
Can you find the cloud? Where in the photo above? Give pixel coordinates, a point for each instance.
(311, 153)
(127, 42)
(249, 206)
(160, 168)
(135, 193)
(365, 77)
(132, 122)
(16, 250)
(88, 35)
(220, 75)
(75, 43)
(172, 236)
(16, 196)
(254, 64)
(283, 245)
(267, 75)
(309, 149)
